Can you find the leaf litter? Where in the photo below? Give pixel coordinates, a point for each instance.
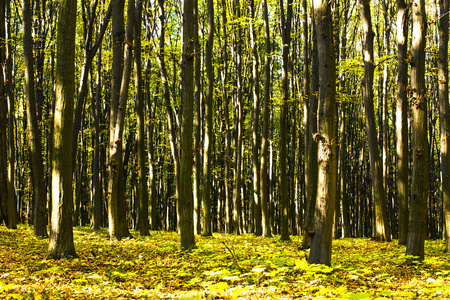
(222, 267)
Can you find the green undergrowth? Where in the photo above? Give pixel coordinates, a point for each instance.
(222, 267)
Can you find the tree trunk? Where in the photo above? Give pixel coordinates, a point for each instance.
(198, 127)
(61, 234)
(143, 224)
(34, 136)
(284, 188)
(12, 201)
(208, 139)
(3, 122)
(118, 227)
(420, 150)
(265, 218)
(255, 124)
(401, 119)
(311, 163)
(326, 192)
(238, 123)
(185, 200)
(381, 230)
(444, 113)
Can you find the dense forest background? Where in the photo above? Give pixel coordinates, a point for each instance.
(254, 113)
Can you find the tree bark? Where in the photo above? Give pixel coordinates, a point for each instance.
(208, 138)
(143, 224)
(264, 189)
(401, 119)
(3, 122)
(34, 136)
(444, 113)
(311, 163)
(255, 124)
(420, 149)
(326, 192)
(118, 227)
(284, 188)
(12, 200)
(61, 235)
(185, 200)
(381, 230)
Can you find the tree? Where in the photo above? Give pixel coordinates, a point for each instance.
(264, 190)
(420, 150)
(326, 192)
(401, 117)
(61, 234)
(185, 200)
(121, 70)
(12, 199)
(444, 113)
(34, 135)
(311, 103)
(208, 138)
(381, 231)
(3, 122)
(284, 192)
(255, 124)
(143, 223)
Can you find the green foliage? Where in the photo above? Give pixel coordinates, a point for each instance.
(153, 267)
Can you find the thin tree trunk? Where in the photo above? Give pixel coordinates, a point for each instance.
(61, 235)
(198, 126)
(401, 117)
(226, 117)
(3, 122)
(12, 201)
(420, 148)
(208, 139)
(255, 124)
(381, 231)
(238, 123)
(34, 136)
(444, 114)
(284, 188)
(326, 192)
(266, 230)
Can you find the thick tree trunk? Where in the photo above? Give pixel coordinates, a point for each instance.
(311, 163)
(185, 200)
(420, 149)
(326, 192)
(143, 224)
(34, 136)
(381, 231)
(61, 234)
(284, 188)
(401, 120)
(118, 226)
(444, 113)
(208, 139)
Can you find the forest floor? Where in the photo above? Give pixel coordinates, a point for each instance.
(222, 267)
